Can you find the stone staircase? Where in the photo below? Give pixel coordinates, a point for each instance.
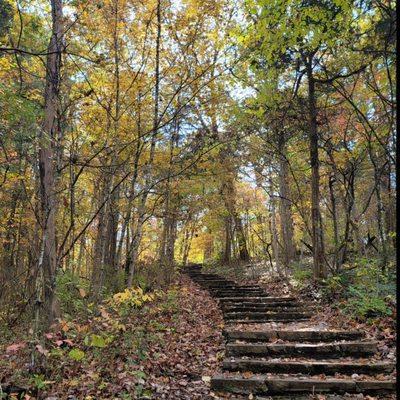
(283, 359)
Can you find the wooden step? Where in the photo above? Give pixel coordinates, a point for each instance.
(262, 321)
(262, 384)
(256, 299)
(292, 335)
(219, 284)
(332, 350)
(229, 286)
(226, 304)
(265, 308)
(236, 291)
(308, 367)
(292, 315)
(220, 295)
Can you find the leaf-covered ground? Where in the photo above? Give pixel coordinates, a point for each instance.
(166, 350)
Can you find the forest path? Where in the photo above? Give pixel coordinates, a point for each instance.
(289, 356)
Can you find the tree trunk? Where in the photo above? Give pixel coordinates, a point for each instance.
(320, 271)
(289, 250)
(273, 229)
(48, 135)
(134, 248)
(334, 221)
(227, 256)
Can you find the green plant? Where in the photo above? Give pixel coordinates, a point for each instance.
(170, 301)
(39, 381)
(367, 288)
(99, 341)
(362, 303)
(76, 354)
(71, 292)
(301, 275)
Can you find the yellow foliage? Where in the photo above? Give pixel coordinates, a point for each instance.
(132, 297)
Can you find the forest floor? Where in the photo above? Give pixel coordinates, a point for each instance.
(167, 349)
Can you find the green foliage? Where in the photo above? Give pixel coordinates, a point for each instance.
(142, 281)
(363, 303)
(301, 275)
(39, 381)
(76, 354)
(366, 289)
(99, 341)
(71, 292)
(6, 14)
(170, 301)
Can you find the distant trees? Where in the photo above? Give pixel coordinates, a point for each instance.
(302, 56)
(138, 135)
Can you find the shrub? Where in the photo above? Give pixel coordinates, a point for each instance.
(301, 275)
(361, 302)
(71, 292)
(367, 289)
(130, 298)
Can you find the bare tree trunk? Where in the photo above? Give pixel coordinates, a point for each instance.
(274, 231)
(228, 194)
(98, 272)
(289, 250)
(390, 206)
(134, 248)
(127, 219)
(227, 256)
(334, 221)
(189, 233)
(241, 238)
(48, 135)
(320, 270)
(170, 220)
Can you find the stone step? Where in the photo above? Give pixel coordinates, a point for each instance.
(227, 286)
(227, 304)
(308, 367)
(235, 293)
(320, 350)
(261, 321)
(237, 290)
(262, 384)
(202, 278)
(292, 335)
(219, 296)
(256, 299)
(216, 282)
(265, 308)
(266, 315)
(208, 280)
(211, 287)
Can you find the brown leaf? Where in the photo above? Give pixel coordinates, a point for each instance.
(15, 347)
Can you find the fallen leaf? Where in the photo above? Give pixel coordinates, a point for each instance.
(15, 347)
(41, 349)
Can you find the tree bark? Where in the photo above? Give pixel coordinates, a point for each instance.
(47, 138)
(320, 271)
(134, 248)
(289, 250)
(274, 230)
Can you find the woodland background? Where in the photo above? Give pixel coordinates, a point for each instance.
(139, 136)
